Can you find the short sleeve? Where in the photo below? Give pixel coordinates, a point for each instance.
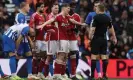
(88, 19)
(25, 31)
(77, 18)
(108, 14)
(69, 17)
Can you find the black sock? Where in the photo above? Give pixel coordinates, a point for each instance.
(93, 67)
(104, 66)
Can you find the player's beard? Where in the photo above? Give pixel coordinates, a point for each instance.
(41, 11)
(71, 12)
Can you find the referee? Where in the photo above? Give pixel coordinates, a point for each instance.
(97, 34)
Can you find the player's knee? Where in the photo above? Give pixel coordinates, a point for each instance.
(28, 54)
(94, 57)
(29, 57)
(72, 54)
(62, 56)
(11, 54)
(59, 59)
(49, 59)
(103, 57)
(43, 54)
(98, 57)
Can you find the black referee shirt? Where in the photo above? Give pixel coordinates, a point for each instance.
(101, 22)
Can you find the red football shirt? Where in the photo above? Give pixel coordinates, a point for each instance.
(53, 35)
(71, 33)
(63, 23)
(37, 19)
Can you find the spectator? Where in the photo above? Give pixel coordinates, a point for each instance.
(118, 26)
(114, 54)
(64, 1)
(115, 12)
(1, 19)
(130, 54)
(14, 14)
(130, 41)
(123, 5)
(124, 36)
(129, 28)
(6, 16)
(124, 18)
(49, 3)
(121, 13)
(123, 55)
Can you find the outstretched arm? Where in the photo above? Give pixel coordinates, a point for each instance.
(75, 22)
(46, 23)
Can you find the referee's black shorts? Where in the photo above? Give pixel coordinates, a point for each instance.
(99, 46)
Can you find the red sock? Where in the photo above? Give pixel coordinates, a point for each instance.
(63, 69)
(58, 68)
(35, 66)
(73, 66)
(46, 67)
(41, 65)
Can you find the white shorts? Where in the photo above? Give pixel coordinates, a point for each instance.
(73, 45)
(52, 47)
(63, 46)
(41, 46)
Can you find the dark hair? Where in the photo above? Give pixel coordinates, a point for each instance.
(54, 5)
(38, 5)
(101, 7)
(95, 2)
(65, 5)
(73, 4)
(23, 4)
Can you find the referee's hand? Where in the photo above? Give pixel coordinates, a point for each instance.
(83, 25)
(114, 40)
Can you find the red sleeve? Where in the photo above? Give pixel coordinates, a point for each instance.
(32, 21)
(77, 18)
(47, 18)
(57, 19)
(69, 17)
(47, 26)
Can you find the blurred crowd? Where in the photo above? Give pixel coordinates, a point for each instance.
(121, 12)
